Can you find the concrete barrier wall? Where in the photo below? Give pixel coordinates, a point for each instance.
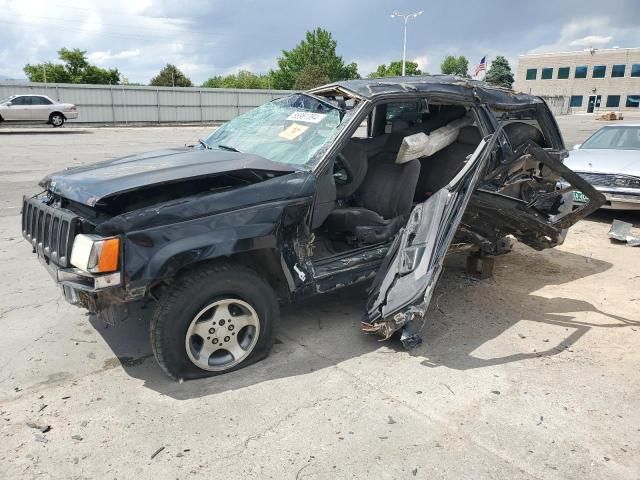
(122, 104)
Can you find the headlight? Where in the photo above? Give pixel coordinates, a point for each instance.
(95, 254)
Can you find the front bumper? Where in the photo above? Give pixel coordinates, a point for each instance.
(620, 198)
(77, 285)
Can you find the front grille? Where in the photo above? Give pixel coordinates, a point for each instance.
(599, 179)
(611, 180)
(50, 230)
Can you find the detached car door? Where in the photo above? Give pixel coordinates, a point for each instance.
(404, 284)
(403, 287)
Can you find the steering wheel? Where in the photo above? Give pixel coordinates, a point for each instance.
(341, 173)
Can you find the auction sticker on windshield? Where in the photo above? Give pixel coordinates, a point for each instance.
(306, 117)
(293, 131)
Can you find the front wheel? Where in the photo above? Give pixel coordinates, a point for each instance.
(215, 319)
(56, 119)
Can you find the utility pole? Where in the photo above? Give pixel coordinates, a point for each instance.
(406, 18)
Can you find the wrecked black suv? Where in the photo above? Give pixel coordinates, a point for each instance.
(309, 193)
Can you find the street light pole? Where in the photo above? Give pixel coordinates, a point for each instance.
(406, 18)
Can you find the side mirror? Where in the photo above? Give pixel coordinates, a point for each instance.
(577, 146)
(8, 104)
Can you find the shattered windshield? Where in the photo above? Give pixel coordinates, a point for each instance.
(288, 130)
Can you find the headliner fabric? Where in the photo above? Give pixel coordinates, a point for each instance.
(422, 145)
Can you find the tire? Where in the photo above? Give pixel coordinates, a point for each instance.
(225, 302)
(56, 119)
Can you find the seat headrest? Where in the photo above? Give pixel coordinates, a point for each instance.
(469, 135)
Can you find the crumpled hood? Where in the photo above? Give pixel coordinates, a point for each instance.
(604, 161)
(90, 183)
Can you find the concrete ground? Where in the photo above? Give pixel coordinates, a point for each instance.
(531, 374)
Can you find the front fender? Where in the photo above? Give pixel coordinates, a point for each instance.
(160, 252)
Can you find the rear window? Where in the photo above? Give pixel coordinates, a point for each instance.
(40, 101)
(528, 116)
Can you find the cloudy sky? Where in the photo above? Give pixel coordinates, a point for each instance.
(206, 38)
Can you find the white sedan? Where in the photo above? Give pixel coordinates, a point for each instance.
(610, 161)
(36, 108)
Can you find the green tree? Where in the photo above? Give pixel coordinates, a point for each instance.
(318, 48)
(310, 76)
(499, 73)
(455, 66)
(74, 69)
(170, 76)
(75, 61)
(243, 79)
(48, 71)
(394, 69)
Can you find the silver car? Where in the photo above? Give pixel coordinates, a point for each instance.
(610, 160)
(36, 108)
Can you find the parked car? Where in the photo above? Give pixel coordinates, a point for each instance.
(36, 108)
(610, 160)
(287, 201)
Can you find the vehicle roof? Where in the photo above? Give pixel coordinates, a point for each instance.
(431, 84)
(30, 95)
(618, 125)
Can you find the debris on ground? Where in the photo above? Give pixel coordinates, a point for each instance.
(621, 231)
(77, 437)
(42, 428)
(156, 452)
(611, 116)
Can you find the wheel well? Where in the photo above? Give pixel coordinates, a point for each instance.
(265, 262)
(59, 113)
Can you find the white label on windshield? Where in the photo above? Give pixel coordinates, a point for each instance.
(306, 117)
(293, 131)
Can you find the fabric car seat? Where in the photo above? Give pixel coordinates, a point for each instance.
(383, 198)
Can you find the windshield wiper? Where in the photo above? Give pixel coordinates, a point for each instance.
(231, 149)
(204, 144)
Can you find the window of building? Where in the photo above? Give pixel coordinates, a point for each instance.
(599, 71)
(635, 70)
(532, 73)
(547, 73)
(633, 101)
(576, 100)
(581, 72)
(618, 71)
(563, 73)
(613, 101)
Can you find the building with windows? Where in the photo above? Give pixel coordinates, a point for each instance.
(590, 80)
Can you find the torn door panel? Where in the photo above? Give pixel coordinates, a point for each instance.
(404, 285)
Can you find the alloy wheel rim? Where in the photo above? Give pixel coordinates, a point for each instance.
(57, 120)
(222, 334)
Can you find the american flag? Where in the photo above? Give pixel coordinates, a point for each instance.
(482, 66)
